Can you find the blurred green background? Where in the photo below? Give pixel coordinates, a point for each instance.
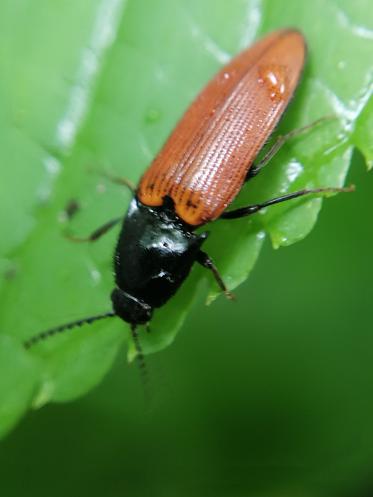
(267, 396)
(270, 395)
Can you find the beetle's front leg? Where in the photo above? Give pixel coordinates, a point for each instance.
(205, 261)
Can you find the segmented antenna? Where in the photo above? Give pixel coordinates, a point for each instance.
(89, 320)
(68, 326)
(142, 364)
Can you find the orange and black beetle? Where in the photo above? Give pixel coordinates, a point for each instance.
(197, 174)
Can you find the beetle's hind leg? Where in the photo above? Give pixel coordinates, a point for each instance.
(279, 142)
(97, 233)
(205, 261)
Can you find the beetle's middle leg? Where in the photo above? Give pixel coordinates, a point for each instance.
(252, 209)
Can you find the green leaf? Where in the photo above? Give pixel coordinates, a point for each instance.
(97, 85)
(18, 382)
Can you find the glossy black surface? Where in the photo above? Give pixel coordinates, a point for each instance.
(154, 255)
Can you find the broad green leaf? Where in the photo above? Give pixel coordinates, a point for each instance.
(18, 381)
(97, 86)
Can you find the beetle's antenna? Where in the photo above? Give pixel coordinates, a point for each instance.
(68, 326)
(141, 361)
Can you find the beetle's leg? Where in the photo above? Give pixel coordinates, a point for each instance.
(205, 261)
(280, 141)
(252, 209)
(98, 233)
(120, 181)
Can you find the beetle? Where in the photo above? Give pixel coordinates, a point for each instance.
(196, 176)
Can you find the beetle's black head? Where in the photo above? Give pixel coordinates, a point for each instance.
(130, 309)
